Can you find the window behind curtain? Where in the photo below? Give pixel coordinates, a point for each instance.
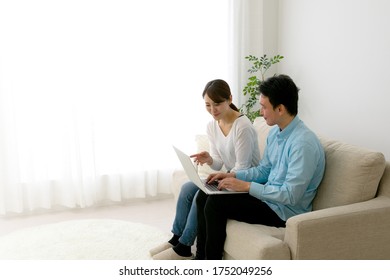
(94, 93)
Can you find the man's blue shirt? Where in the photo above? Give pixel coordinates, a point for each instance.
(289, 172)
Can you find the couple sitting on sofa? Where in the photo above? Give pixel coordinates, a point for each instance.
(282, 185)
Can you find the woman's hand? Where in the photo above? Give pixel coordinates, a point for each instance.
(202, 158)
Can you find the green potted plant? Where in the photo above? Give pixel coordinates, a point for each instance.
(251, 89)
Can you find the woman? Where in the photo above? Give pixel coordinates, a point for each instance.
(233, 144)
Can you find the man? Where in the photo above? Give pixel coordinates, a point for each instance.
(282, 185)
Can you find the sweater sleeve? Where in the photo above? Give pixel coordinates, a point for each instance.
(246, 148)
(217, 160)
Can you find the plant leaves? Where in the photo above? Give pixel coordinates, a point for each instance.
(252, 88)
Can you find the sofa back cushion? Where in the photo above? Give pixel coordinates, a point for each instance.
(352, 174)
(262, 129)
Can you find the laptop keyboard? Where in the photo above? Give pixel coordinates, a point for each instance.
(212, 186)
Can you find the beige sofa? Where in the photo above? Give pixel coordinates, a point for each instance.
(350, 217)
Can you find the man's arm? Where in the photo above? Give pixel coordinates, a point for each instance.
(289, 184)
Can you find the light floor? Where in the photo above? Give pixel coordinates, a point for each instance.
(157, 213)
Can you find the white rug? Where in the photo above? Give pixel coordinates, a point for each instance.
(103, 239)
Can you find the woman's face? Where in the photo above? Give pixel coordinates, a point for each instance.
(217, 110)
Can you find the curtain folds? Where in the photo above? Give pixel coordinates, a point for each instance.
(247, 38)
(93, 94)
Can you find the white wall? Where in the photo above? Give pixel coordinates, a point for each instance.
(338, 53)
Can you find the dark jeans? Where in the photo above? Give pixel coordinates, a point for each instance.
(215, 210)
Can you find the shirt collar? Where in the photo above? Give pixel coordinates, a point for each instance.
(289, 128)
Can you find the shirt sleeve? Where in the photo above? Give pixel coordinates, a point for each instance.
(257, 174)
(296, 175)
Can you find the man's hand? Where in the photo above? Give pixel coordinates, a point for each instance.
(218, 177)
(228, 181)
(234, 184)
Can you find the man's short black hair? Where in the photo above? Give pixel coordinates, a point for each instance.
(281, 89)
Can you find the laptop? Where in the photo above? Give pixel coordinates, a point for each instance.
(193, 175)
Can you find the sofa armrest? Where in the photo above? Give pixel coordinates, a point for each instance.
(355, 231)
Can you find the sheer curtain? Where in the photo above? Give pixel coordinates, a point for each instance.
(248, 37)
(93, 93)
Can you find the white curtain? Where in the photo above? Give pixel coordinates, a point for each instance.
(247, 25)
(93, 93)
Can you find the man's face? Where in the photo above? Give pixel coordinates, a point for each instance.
(270, 115)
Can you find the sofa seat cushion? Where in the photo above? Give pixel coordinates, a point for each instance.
(251, 241)
(352, 174)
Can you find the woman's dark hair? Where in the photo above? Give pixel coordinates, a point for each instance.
(281, 89)
(218, 91)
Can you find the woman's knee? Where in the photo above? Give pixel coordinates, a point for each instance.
(188, 191)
